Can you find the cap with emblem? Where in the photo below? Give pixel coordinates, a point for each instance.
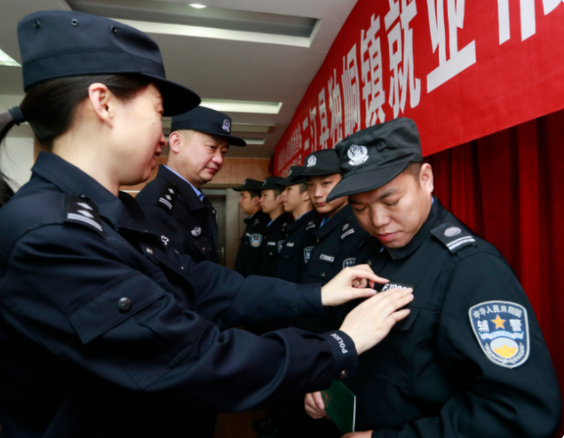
(272, 183)
(250, 185)
(318, 163)
(295, 176)
(371, 158)
(57, 44)
(207, 120)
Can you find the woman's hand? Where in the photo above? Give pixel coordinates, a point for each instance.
(350, 284)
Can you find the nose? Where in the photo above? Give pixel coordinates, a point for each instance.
(218, 158)
(379, 217)
(162, 141)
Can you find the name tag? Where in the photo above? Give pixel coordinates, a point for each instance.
(290, 244)
(271, 243)
(327, 258)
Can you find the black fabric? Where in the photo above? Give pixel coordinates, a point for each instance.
(207, 120)
(57, 44)
(272, 245)
(250, 185)
(295, 176)
(374, 156)
(319, 163)
(272, 183)
(76, 364)
(190, 224)
(248, 254)
(429, 377)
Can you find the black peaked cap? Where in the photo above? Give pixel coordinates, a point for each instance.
(295, 176)
(272, 183)
(207, 120)
(319, 163)
(373, 157)
(58, 44)
(250, 185)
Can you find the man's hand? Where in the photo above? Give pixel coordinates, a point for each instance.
(371, 321)
(314, 405)
(350, 284)
(367, 434)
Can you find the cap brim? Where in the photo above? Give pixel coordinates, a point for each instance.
(177, 99)
(361, 182)
(319, 171)
(233, 141)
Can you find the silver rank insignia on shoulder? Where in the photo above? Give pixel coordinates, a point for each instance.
(167, 196)
(255, 239)
(349, 262)
(80, 210)
(307, 253)
(196, 231)
(310, 225)
(453, 237)
(502, 330)
(347, 233)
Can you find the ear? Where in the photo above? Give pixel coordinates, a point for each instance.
(279, 198)
(103, 103)
(305, 196)
(426, 178)
(175, 141)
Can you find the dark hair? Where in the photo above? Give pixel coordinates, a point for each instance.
(414, 169)
(49, 106)
(254, 194)
(303, 187)
(277, 192)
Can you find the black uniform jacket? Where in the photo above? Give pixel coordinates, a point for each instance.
(329, 249)
(105, 333)
(190, 223)
(431, 377)
(290, 259)
(248, 255)
(272, 245)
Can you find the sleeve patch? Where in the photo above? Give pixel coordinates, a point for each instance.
(502, 330)
(453, 237)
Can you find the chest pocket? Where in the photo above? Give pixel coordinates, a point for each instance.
(202, 245)
(288, 252)
(322, 269)
(394, 359)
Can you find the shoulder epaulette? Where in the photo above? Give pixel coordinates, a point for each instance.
(347, 230)
(453, 237)
(168, 196)
(80, 210)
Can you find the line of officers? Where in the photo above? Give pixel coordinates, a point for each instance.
(439, 372)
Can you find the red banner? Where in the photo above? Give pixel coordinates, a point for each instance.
(460, 69)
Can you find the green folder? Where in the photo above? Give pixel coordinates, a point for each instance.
(340, 404)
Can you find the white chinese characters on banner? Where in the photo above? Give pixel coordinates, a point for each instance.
(351, 90)
(399, 51)
(458, 60)
(336, 108)
(324, 130)
(313, 127)
(373, 92)
(528, 17)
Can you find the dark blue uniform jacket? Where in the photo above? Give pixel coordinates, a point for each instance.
(248, 254)
(104, 332)
(431, 377)
(189, 223)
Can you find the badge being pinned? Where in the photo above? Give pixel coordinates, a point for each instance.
(502, 330)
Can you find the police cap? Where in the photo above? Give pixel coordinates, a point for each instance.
(58, 44)
(325, 162)
(272, 183)
(250, 185)
(207, 120)
(371, 158)
(295, 176)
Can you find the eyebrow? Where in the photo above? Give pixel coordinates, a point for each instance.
(384, 195)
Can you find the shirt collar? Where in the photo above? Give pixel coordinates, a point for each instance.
(198, 192)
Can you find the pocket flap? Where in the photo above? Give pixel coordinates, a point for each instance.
(406, 323)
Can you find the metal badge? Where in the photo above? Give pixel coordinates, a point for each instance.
(357, 154)
(452, 231)
(196, 231)
(226, 125)
(311, 161)
(502, 330)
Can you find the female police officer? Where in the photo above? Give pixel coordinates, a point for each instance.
(99, 335)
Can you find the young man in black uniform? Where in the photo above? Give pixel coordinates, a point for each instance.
(246, 262)
(173, 202)
(296, 201)
(470, 361)
(271, 204)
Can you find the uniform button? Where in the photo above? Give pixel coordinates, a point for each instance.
(114, 29)
(150, 251)
(270, 253)
(84, 197)
(344, 374)
(317, 240)
(37, 24)
(182, 267)
(74, 22)
(124, 304)
(323, 274)
(204, 248)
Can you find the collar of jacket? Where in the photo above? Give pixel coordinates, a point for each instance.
(306, 217)
(120, 212)
(277, 223)
(183, 187)
(437, 213)
(260, 215)
(335, 221)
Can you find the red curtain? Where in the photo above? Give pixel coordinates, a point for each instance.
(509, 188)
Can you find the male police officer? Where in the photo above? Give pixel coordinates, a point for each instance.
(173, 202)
(297, 202)
(246, 262)
(271, 204)
(470, 361)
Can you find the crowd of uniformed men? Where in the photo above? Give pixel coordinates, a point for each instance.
(440, 372)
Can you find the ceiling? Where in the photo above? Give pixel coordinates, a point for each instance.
(248, 60)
